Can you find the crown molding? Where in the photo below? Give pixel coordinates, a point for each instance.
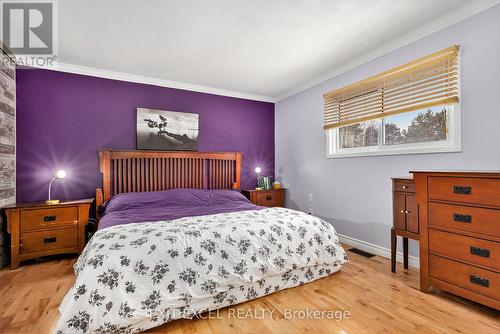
(429, 29)
(129, 77)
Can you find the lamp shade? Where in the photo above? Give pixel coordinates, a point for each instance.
(60, 174)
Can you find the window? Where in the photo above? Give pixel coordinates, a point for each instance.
(411, 109)
(362, 134)
(422, 131)
(419, 126)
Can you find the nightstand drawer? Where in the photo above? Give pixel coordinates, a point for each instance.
(37, 219)
(269, 199)
(32, 242)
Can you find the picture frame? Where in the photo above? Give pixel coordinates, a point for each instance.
(167, 130)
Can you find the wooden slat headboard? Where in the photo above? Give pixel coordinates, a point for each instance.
(140, 171)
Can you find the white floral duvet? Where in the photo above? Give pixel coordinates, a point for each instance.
(137, 276)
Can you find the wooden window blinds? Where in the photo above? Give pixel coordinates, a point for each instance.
(422, 83)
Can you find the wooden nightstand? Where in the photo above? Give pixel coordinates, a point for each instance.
(270, 198)
(40, 229)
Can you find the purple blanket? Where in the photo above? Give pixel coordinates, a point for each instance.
(172, 204)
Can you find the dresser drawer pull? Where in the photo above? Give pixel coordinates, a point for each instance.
(462, 218)
(269, 197)
(480, 281)
(462, 190)
(480, 251)
(49, 218)
(49, 240)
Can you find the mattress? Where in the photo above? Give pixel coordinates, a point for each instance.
(136, 276)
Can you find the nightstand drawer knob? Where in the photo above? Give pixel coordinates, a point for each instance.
(483, 252)
(462, 190)
(49, 218)
(480, 281)
(462, 218)
(49, 240)
(269, 197)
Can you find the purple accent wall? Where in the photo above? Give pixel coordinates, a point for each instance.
(64, 119)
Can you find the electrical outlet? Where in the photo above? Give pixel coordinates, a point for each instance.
(311, 197)
(311, 212)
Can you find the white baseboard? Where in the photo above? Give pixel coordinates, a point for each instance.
(413, 261)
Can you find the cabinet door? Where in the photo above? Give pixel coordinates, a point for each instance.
(399, 209)
(412, 214)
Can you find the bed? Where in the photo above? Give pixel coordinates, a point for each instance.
(180, 241)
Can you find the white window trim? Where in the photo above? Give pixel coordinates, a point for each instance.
(452, 144)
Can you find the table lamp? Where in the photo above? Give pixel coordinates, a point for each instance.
(258, 170)
(60, 174)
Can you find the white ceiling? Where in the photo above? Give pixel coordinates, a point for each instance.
(265, 49)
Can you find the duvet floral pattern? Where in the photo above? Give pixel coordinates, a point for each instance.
(137, 276)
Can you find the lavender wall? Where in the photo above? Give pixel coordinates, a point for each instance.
(64, 119)
(354, 194)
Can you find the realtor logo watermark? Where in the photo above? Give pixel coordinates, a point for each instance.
(29, 32)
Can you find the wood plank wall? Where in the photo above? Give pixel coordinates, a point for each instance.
(7, 145)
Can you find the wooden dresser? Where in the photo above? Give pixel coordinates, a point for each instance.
(405, 217)
(270, 197)
(459, 215)
(39, 229)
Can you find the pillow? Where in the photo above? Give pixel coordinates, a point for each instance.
(220, 197)
(173, 197)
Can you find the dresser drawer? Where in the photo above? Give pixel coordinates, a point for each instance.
(466, 190)
(270, 199)
(473, 250)
(40, 241)
(465, 218)
(479, 280)
(401, 185)
(36, 219)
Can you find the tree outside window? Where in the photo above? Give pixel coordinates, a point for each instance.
(421, 129)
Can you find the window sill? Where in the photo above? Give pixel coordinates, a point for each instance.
(397, 151)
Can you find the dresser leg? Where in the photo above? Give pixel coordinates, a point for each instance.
(424, 284)
(405, 253)
(393, 250)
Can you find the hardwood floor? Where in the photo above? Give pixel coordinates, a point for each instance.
(377, 300)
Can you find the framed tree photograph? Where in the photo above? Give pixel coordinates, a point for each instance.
(166, 130)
